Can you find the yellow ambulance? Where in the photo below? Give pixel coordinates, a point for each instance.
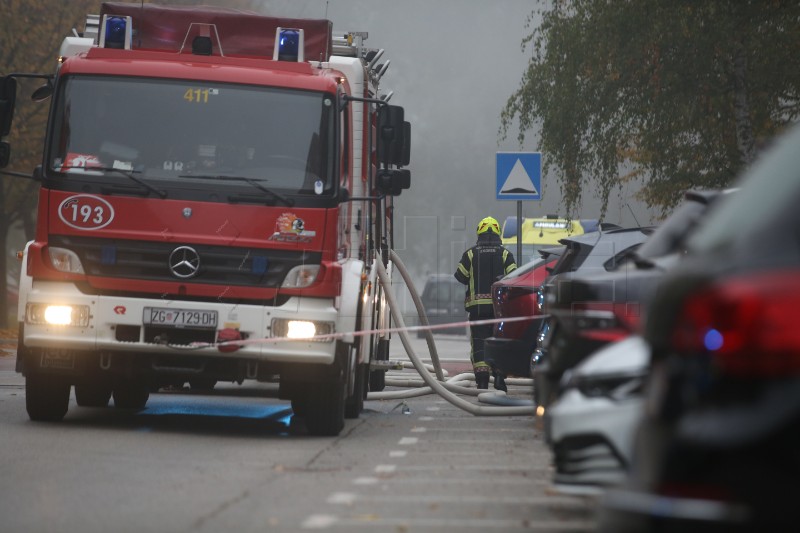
(538, 233)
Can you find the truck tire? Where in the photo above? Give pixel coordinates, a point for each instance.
(299, 407)
(46, 397)
(355, 403)
(377, 378)
(325, 409)
(92, 394)
(131, 395)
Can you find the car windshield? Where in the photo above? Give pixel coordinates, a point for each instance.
(172, 130)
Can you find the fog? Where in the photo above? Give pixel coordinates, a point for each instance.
(454, 63)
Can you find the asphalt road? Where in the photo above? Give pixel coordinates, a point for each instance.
(236, 460)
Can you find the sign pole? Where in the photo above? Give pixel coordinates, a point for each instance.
(519, 233)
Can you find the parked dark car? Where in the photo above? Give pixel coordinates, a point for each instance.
(590, 255)
(719, 446)
(443, 300)
(518, 295)
(591, 308)
(592, 420)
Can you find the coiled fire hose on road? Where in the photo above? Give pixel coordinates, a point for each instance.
(504, 406)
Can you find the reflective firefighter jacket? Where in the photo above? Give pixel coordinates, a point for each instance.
(480, 266)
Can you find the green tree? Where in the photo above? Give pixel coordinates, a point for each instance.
(677, 93)
(31, 32)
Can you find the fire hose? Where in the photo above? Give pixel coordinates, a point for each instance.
(451, 388)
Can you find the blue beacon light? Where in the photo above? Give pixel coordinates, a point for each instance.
(116, 28)
(288, 45)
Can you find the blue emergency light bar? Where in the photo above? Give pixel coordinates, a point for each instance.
(116, 32)
(289, 45)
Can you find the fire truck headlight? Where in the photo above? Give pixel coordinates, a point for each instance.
(57, 315)
(300, 276)
(65, 260)
(301, 329)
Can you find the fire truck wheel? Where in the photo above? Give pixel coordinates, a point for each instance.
(46, 397)
(325, 414)
(299, 406)
(92, 394)
(131, 395)
(355, 403)
(202, 383)
(377, 378)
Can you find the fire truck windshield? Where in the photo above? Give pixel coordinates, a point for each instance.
(168, 131)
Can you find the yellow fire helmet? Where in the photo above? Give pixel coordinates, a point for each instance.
(488, 224)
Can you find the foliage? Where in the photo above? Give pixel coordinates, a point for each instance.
(678, 93)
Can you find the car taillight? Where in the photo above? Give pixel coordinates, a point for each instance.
(514, 300)
(749, 325)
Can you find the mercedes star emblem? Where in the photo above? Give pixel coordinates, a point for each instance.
(184, 262)
(187, 212)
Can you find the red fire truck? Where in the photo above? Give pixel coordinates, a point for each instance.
(216, 187)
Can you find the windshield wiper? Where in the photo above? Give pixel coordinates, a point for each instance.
(252, 181)
(127, 173)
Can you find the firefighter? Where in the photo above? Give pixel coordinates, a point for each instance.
(480, 266)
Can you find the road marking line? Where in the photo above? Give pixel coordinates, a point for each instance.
(398, 453)
(365, 481)
(319, 521)
(407, 441)
(425, 418)
(343, 498)
(418, 430)
(385, 469)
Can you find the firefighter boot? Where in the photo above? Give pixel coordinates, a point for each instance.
(482, 380)
(500, 382)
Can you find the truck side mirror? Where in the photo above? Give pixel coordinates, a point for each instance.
(42, 93)
(393, 182)
(391, 134)
(406, 155)
(8, 95)
(5, 154)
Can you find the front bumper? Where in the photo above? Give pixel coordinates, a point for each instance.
(592, 438)
(512, 357)
(116, 325)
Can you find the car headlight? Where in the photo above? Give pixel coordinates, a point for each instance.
(613, 387)
(65, 260)
(301, 329)
(300, 276)
(57, 315)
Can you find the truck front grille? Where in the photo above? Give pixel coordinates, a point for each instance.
(218, 265)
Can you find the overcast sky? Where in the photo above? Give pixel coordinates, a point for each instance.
(454, 63)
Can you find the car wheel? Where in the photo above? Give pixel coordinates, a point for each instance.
(46, 397)
(131, 395)
(92, 394)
